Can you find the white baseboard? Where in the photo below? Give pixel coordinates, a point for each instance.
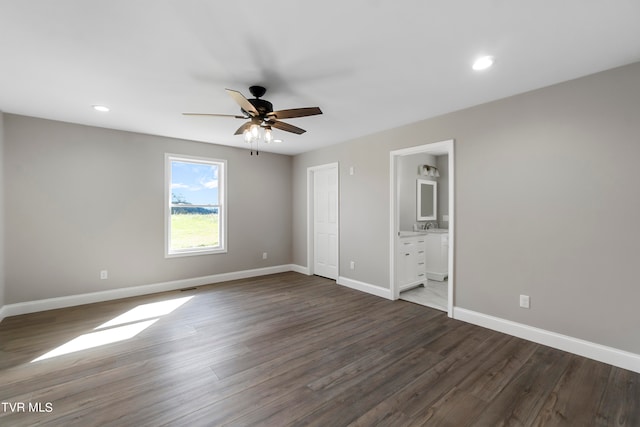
(89, 298)
(601, 353)
(3, 312)
(300, 269)
(365, 287)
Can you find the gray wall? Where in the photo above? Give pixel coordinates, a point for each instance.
(2, 184)
(546, 205)
(80, 199)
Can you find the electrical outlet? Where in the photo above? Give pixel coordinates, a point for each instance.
(524, 301)
(351, 171)
(264, 255)
(352, 265)
(104, 274)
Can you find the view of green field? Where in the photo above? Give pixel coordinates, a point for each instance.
(194, 231)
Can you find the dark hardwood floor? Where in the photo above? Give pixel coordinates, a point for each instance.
(289, 349)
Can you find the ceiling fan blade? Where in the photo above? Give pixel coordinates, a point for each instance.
(242, 128)
(242, 102)
(286, 127)
(214, 115)
(295, 112)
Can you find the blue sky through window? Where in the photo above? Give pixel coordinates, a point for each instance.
(196, 183)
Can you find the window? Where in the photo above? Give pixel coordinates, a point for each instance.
(195, 205)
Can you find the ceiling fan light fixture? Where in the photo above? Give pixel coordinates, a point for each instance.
(247, 135)
(255, 131)
(483, 63)
(267, 134)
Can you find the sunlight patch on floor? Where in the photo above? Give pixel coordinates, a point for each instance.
(96, 339)
(120, 328)
(146, 311)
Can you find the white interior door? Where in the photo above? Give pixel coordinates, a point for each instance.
(325, 222)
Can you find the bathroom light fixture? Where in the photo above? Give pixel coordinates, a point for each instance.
(101, 108)
(483, 63)
(427, 170)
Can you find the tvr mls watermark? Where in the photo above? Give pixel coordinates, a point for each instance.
(27, 407)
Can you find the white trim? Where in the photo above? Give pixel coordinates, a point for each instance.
(447, 147)
(300, 269)
(439, 277)
(222, 199)
(601, 353)
(434, 201)
(310, 238)
(73, 300)
(364, 287)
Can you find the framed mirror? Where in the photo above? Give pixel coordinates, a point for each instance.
(427, 200)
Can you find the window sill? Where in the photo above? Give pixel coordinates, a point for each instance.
(194, 253)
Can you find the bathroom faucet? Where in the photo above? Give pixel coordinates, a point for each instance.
(430, 225)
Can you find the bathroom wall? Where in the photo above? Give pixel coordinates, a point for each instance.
(407, 176)
(442, 163)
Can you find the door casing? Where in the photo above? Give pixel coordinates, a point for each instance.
(436, 148)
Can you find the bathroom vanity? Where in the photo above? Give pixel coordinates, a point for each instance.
(422, 255)
(411, 261)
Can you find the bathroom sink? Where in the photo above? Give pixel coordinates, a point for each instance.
(412, 233)
(423, 232)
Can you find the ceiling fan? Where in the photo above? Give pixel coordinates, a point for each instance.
(261, 117)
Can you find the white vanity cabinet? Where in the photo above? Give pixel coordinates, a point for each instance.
(411, 261)
(437, 259)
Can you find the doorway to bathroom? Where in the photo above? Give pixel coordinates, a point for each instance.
(422, 224)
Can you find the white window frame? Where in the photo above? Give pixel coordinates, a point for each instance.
(222, 195)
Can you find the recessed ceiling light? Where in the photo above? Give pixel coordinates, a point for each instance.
(483, 63)
(101, 108)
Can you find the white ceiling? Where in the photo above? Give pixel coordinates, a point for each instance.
(369, 64)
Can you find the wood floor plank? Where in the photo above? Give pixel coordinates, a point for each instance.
(520, 401)
(289, 349)
(576, 397)
(498, 369)
(415, 399)
(620, 405)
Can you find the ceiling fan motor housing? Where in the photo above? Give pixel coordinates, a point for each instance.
(263, 106)
(257, 91)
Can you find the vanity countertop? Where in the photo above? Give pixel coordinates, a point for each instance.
(423, 232)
